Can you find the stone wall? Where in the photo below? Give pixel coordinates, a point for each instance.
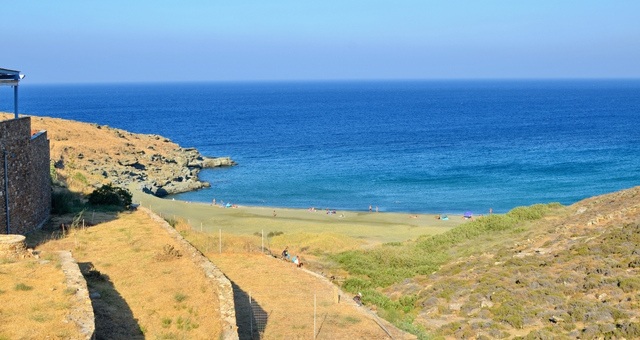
(215, 276)
(29, 183)
(12, 246)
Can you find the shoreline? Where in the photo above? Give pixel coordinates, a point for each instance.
(324, 209)
(336, 211)
(372, 228)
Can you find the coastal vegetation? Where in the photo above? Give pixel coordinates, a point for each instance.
(373, 269)
(393, 262)
(111, 195)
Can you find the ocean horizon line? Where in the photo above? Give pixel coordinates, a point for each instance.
(339, 81)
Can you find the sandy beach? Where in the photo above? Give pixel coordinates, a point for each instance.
(369, 227)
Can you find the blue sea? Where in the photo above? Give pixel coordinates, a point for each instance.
(404, 146)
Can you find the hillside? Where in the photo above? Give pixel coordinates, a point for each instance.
(85, 156)
(137, 288)
(572, 273)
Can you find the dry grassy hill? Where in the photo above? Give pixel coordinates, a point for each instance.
(572, 274)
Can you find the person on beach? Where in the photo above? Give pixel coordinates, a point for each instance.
(285, 253)
(274, 213)
(369, 207)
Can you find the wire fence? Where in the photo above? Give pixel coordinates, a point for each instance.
(304, 316)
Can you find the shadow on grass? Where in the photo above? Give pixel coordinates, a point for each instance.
(114, 318)
(251, 319)
(60, 226)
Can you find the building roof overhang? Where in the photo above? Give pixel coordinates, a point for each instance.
(10, 77)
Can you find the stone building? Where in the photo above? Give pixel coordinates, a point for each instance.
(25, 183)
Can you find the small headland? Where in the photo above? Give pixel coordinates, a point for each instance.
(85, 156)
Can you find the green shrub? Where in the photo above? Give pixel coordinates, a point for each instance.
(110, 195)
(23, 287)
(629, 330)
(510, 312)
(53, 175)
(354, 284)
(179, 297)
(186, 324)
(629, 284)
(531, 213)
(408, 302)
(78, 176)
(371, 296)
(172, 221)
(64, 201)
(578, 310)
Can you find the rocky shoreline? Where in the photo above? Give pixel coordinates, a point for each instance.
(88, 155)
(173, 175)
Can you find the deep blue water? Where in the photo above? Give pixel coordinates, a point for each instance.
(439, 146)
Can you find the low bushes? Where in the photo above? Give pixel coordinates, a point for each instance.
(110, 195)
(391, 263)
(64, 201)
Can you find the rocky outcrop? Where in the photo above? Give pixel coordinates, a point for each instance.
(159, 173)
(91, 155)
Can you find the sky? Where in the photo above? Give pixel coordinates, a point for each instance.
(271, 40)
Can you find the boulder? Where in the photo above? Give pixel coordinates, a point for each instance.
(217, 162)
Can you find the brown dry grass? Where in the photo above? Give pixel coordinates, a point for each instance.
(35, 302)
(285, 295)
(142, 294)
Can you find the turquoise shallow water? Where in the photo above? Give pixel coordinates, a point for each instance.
(442, 146)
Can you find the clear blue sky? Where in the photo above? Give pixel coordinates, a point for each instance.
(151, 41)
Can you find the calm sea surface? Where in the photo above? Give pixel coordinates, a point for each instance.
(441, 147)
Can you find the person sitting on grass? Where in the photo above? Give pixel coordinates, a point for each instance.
(358, 299)
(297, 261)
(285, 253)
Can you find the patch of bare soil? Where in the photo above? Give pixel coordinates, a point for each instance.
(276, 300)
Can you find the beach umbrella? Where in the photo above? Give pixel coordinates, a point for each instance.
(468, 214)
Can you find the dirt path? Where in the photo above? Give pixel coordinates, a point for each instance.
(282, 303)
